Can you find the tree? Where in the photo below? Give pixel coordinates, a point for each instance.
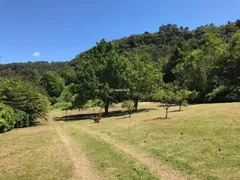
(53, 83)
(167, 97)
(68, 75)
(202, 65)
(129, 105)
(196, 75)
(232, 65)
(21, 104)
(143, 77)
(100, 73)
(66, 98)
(182, 98)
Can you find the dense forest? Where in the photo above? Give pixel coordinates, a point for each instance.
(172, 66)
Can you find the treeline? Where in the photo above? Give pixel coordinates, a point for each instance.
(31, 69)
(205, 60)
(172, 66)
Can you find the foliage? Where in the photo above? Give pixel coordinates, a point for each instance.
(94, 103)
(66, 99)
(129, 105)
(100, 73)
(26, 69)
(21, 103)
(167, 97)
(170, 95)
(182, 97)
(53, 83)
(205, 61)
(143, 77)
(7, 118)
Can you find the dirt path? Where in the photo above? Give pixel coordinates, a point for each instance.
(81, 164)
(155, 166)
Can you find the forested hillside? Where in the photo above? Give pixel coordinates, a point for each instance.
(205, 59)
(30, 68)
(173, 66)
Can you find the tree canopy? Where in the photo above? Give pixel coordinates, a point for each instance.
(21, 104)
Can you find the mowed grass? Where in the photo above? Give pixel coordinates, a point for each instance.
(106, 160)
(202, 140)
(33, 153)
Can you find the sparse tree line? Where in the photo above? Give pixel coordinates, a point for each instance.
(173, 66)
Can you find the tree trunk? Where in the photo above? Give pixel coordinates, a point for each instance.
(135, 100)
(180, 105)
(106, 106)
(166, 113)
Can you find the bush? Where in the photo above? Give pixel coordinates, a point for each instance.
(7, 118)
(94, 103)
(129, 105)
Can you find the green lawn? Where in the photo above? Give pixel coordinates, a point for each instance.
(110, 163)
(200, 142)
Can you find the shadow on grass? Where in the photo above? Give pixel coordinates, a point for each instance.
(90, 116)
(154, 119)
(174, 111)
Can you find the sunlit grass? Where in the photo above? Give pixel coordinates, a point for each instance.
(108, 161)
(33, 153)
(202, 139)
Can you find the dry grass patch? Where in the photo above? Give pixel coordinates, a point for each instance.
(33, 153)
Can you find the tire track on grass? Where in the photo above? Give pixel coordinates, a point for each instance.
(154, 165)
(82, 166)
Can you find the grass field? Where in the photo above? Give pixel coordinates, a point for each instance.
(200, 142)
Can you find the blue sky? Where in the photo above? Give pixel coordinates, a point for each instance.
(57, 30)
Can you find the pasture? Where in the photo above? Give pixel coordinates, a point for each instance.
(199, 142)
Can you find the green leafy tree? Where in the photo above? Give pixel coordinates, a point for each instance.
(68, 75)
(66, 99)
(35, 76)
(21, 103)
(199, 69)
(182, 97)
(143, 77)
(53, 83)
(167, 97)
(100, 73)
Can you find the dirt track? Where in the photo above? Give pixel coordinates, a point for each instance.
(82, 167)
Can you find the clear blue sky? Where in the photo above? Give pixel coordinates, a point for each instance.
(57, 30)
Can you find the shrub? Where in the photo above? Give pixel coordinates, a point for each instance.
(129, 105)
(7, 118)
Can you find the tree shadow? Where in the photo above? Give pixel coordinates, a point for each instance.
(126, 117)
(154, 119)
(89, 116)
(175, 111)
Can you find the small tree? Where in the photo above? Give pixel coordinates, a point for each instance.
(182, 97)
(167, 97)
(66, 98)
(129, 105)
